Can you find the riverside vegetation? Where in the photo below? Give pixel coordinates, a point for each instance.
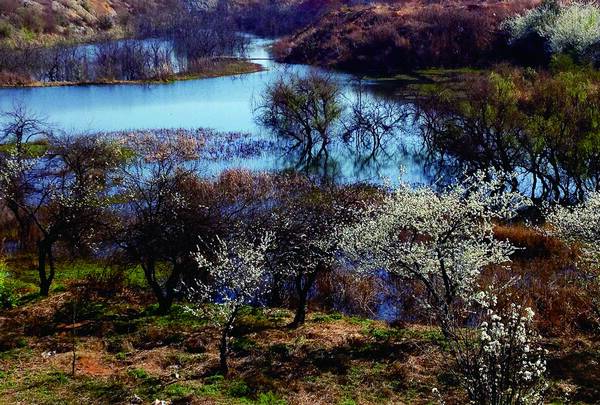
(153, 260)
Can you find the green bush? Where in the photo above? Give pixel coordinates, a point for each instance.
(6, 29)
(238, 389)
(178, 391)
(562, 63)
(8, 295)
(270, 398)
(139, 373)
(572, 28)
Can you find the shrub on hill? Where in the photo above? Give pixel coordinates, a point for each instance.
(553, 28)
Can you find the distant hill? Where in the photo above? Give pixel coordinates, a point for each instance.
(403, 36)
(80, 19)
(282, 17)
(42, 20)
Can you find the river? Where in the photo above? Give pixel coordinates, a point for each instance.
(223, 104)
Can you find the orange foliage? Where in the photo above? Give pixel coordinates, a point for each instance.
(547, 278)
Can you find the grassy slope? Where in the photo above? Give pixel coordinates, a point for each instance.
(125, 350)
(46, 21)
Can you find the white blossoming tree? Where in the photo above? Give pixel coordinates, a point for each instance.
(580, 225)
(238, 277)
(444, 241)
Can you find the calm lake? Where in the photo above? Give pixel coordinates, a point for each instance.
(223, 104)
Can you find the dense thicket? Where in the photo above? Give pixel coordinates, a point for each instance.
(542, 126)
(556, 28)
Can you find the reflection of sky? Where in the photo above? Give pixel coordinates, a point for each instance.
(224, 104)
(221, 103)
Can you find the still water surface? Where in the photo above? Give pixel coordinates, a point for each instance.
(223, 104)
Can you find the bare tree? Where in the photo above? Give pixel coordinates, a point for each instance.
(304, 110)
(22, 127)
(373, 121)
(164, 211)
(65, 194)
(304, 223)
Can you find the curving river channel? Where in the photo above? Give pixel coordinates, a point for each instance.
(222, 104)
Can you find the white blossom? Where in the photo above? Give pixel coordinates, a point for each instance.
(238, 277)
(579, 224)
(507, 364)
(443, 240)
(573, 27)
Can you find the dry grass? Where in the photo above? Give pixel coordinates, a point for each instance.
(549, 280)
(125, 350)
(410, 35)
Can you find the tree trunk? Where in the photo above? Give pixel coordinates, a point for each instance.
(44, 251)
(300, 316)
(304, 283)
(165, 302)
(224, 343)
(223, 351)
(165, 296)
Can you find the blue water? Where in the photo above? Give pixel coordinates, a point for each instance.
(223, 104)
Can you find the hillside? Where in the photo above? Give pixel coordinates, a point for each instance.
(73, 19)
(410, 35)
(83, 19)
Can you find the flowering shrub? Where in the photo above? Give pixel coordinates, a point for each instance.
(505, 365)
(580, 224)
(574, 28)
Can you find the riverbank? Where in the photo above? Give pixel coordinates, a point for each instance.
(419, 83)
(216, 68)
(126, 353)
(408, 36)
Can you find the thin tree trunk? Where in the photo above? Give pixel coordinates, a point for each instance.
(300, 316)
(223, 351)
(150, 272)
(44, 282)
(74, 339)
(224, 343)
(304, 283)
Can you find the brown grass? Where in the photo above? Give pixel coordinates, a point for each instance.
(549, 279)
(413, 34)
(325, 361)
